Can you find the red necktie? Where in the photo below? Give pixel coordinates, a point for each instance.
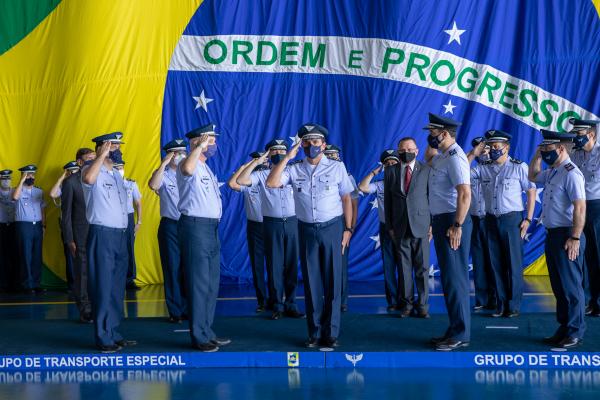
(407, 177)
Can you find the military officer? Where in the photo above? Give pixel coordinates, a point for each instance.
(198, 229)
(134, 207)
(333, 153)
(164, 183)
(449, 201)
(388, 158)
(503, 180)
(586, 155)
(8, 270)
(280, 230)
(30, 223)
(105, 196)
(254, 230)
(563, 215)
(322, 194)
(483, 276)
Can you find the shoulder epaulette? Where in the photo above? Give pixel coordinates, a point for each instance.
(488, 162)
(295, 162)
(515, 161)
(452, 152)
(130, 180)
(569, 166)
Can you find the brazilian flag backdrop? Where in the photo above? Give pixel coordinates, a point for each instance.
(370, 70)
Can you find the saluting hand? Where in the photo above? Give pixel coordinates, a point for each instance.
(572, 248)
(377, 170)
(168, 158)
(262, 158)
(105, 149)
(294, 151)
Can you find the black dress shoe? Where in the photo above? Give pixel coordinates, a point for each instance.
(391, 308)
(126, 343)
(220, 341)
(175, 320)
(422, 314)
(450, 344)
(270, 307)
(569, 342)
(112, 348)
(276, 315)
(311, 343)
(511, 314)
(331, 342)
(260, 308)
(344, 307)
(207, 347)
(294, 314)
(86, 319)
(554, 339)
(497, 314)
(588, 310)
(478, 307)
(436, 340)
(405, 312)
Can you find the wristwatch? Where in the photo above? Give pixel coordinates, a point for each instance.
(351, 230)
(457, 225)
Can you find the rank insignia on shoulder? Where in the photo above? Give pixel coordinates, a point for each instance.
(515, 161)
(452, 152)
(488, 162)
(295, 162)
(569, 167)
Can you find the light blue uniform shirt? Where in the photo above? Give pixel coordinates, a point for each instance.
(503, 185)
(133, 193)
(106, 200)
(448, 170)
(7, 206)
(252, 203)
(355, 193)
(169, 195)
(29, 206)
(199, 194)
(562, 186)
(589, 164)
(275, 203)
(318, 190)
(477, 207)
(377, 187)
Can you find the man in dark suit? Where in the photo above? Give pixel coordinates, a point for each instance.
(75, 231)
(407, 219)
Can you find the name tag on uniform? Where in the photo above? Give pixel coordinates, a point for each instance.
(205, 180)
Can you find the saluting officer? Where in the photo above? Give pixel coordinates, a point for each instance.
(503, 179)
(333, 153)
(449, 201)
(255, 231)
(30, 223)
(164, 183)
(322, 195)
(586, 156)
(483, 275)
(198, 228)
(8, 269)
(388, 158)
(105, 197)
(563, 215)
(280, 230)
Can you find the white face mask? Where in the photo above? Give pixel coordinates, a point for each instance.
(122, 173)
(178, 158)
(5, 183)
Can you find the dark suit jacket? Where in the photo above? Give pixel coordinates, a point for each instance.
(410, 210)
(73, 208)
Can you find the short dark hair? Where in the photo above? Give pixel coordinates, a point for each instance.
(82, 152)
(451, 131)
(406, 139)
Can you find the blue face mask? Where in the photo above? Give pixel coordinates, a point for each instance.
(433, 141)
(115, 156)
(88, 162)
(29, 181)
(580, 141)
(312, 151)
(276, 158)
(496, 154)
(211, 150)
(483, 158)
(549, 157)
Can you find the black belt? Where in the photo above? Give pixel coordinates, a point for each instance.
(284, 219)
(322, 224)
(201, 220)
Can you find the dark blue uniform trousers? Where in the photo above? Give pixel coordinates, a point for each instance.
(592, 251)
(565, 279)
(281, 248)
(506, 256)
(321, 261)
(107, 269)
(391, 272)
(483, 276)
(29, 237)
(454, 269)
(256, 251)
(170, 259)
(9, 278)
(131, 267)
(345, 290)
(200, 255)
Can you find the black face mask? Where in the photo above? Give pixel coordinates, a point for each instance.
(407, 157)
(29, 181)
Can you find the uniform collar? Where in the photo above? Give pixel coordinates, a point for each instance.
(452, 147)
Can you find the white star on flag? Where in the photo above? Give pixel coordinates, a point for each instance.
(538, 192)
(221, 184)
(376, 240)
(454, 33)
(202, 101)
(527, 236)
(294, 139)
(538, 220)
(374, 204)
(449, 108)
